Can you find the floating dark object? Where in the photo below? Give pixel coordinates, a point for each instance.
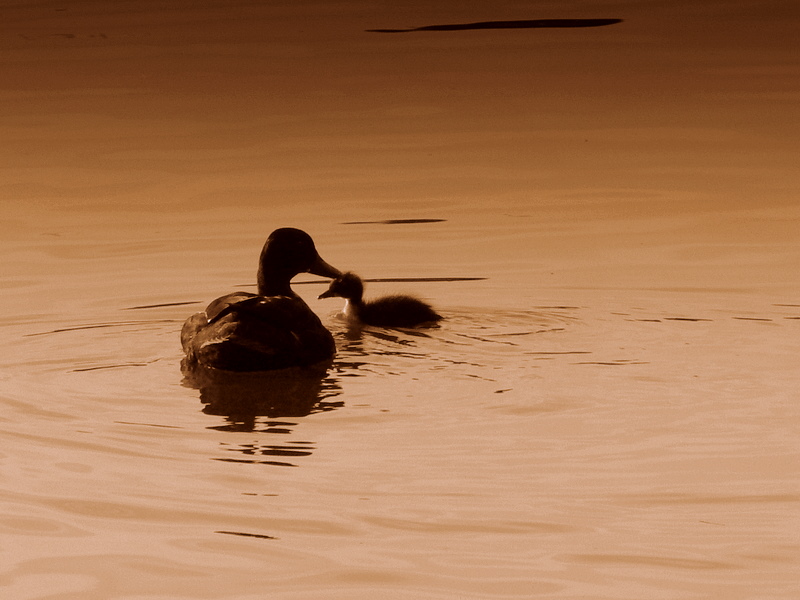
(401, 280)
(394, 222)
(690, 319)
(260, 536)
(162, 305)
(529, 24)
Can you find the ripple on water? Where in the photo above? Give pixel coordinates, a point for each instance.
(467, 342)
(432, 456)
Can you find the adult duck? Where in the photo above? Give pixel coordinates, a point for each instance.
(273, 329)
(398, 310)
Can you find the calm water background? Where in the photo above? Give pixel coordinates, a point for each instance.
(610, 411)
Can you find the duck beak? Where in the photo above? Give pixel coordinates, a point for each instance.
(323, 269)
(325, 294)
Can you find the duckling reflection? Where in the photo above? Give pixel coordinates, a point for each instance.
(387, 311)
(244, 397)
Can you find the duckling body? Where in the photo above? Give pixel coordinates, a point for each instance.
(386, 311)
(273, 329)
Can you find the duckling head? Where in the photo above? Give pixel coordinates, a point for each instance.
(347, 285)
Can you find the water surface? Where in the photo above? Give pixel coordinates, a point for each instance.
(606, 217)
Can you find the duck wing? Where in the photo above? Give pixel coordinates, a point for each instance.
(246, 332)
(224, 303)
(199, 321)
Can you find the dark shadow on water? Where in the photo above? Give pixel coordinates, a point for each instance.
(523, 24)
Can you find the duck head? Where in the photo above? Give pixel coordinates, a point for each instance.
(347, 285)
(286, 253)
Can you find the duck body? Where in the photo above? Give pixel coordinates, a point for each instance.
(387, 311)
(273, 329)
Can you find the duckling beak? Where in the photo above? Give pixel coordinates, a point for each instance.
(326, 294)
(323, 269)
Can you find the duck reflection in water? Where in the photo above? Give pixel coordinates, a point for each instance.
(263, 403)
(243, 398)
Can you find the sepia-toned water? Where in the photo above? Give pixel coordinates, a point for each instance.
(607, 218)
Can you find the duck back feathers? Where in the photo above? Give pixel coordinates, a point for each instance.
(257, 333)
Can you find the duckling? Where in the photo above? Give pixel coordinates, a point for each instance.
(387, 311)
(273, 329)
